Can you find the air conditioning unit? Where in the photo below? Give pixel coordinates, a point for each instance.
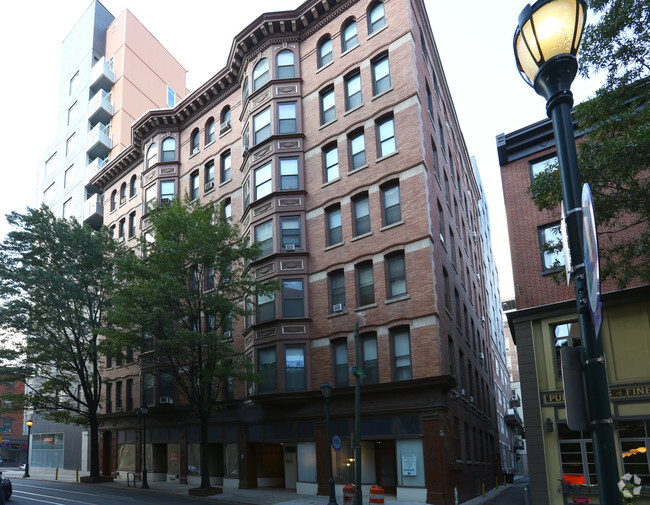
(118, 409)
(166, 400)
(471, 399)
(244, 151)
(120, 239)
(483, 318)
(475, 235)
(290, 247)
(227, 334)
(481, 356)
(251, 390)
(209, 185)
(224, 126)
(462, 392)
(337, 307)
(165, 201)
(195, 150)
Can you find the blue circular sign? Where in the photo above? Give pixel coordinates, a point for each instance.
(592, 264)
(336, 442)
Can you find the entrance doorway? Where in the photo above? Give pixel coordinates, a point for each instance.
(107, 453)
(386, 466)
(290, 466)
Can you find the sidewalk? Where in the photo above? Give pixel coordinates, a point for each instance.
(260, 496)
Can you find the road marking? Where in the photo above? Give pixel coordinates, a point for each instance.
(103, 495)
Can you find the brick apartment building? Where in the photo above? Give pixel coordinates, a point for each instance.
(331, 138)
(561, 461)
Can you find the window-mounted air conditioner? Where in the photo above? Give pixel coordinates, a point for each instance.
(209, 185)
(337, 307)
(166, 400)
(290, 247)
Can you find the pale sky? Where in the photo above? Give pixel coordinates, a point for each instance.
(474, 39)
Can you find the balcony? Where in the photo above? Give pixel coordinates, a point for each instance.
(99, 141)
(94, 167)
(100, 108)
(513, 420)
(102, 75)
(515, 401)
(93, 211)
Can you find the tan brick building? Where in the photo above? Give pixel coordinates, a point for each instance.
(331, 138)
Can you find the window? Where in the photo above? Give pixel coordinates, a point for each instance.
(331, 160)
(538, 167)
(287, 118)
(327, 106)
(386, 136)
(264, 236)
(391, 204)
(246, 194)
(396, 273)
(577, 456)
(194, 141)
(123, 193)
(67, 176)
(69, 145)
(357, 150)
(429, 101)
(295, 377)
(133, 188)
(132, 225)
(74, 83)
(171, 97)
(452, 356)
(353, 91)
(550, 244)
(263, 181)
(349, 37)
(118, 396)
(49, 165)
(226, 212)
(266, 365)
(194, 186)
(289, 174)
(109, 397)
(452, 247)
(442, 137)
(169, 148)
(445, 285)
(370, 362)
(167, 192)
(225, 166)
(290, 232)
(262, 126)
(113, 200)
(260, 74)
(337, 290)
(285, 61)
(376, 17)
(244, 92)
(324, 51)
(210, 128)
(441, 223)
(564, 334)
(265, 308)
(225, 119)
(72, 113)
(334, 226)
(635, 439)
(402, 354)
(340, 355)
(129, 394)
(208, 174)
(65, 213)
(361, 211)
(292, 298)
(434, 153)
(365, 283)
(152, 155)
(150, 196)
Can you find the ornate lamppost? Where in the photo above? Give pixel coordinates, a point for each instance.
(29, 424)
(546, 43)
(144, 410)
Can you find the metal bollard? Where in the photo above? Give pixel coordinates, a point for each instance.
(77, 478)
(527, 495)
(56, 477)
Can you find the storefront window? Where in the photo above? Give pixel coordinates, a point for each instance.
(576, 457)
(565, 334)
(635, 438)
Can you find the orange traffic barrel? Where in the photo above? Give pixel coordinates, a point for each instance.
(376, 495)
(348, 493)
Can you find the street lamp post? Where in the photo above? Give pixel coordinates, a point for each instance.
(144, 410)
(29, 424)
(326, 389)
(546, 43)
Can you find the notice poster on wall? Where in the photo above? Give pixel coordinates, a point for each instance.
(408, 465)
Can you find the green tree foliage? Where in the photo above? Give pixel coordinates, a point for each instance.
(55, 282)
(614, 155)
(176, 303)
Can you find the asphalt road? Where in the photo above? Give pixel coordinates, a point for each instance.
(512, 496)
(34, 492)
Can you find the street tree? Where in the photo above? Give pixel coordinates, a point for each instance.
(55, 283)
(614, 152)
(177, 300)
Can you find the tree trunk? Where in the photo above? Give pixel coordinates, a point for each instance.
(94, 444)
(205, 468)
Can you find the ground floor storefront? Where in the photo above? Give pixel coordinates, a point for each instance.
(416, 443)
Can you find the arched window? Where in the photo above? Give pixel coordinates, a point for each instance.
(113, 200)
(260, 74)
(244, 93)
(324, 51)
(376, 17)
(194, 141)
(209, 130)
(123, 193)
(152, 155)
(169, 148)
(285, 61)
(349, 37)
(225, 119)
(133, 186)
